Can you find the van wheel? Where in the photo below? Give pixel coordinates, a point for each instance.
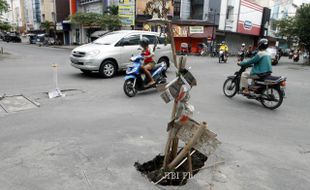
(107, 69)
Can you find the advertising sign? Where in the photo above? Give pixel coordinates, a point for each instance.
(147, 7)
(180, 31)
(126, 11)
(250, 18)
(196, 29)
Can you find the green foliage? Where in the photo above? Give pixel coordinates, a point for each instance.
(110, 22)
(298, 27)
(302, 20)
(46, 25)
(5, 26)
(286, 27)
(3, 6)
(86, 19)
(106, 21)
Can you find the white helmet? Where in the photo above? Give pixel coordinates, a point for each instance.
(243, 44)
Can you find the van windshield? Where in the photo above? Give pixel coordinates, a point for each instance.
(109, 38)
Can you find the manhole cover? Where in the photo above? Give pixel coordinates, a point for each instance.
(17, 103)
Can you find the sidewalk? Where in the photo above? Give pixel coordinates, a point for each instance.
(64, 46)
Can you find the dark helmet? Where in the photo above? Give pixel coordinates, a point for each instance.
(263, 44)
(144, 42)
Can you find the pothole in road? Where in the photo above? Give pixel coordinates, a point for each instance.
(154, 172)
(16, 103)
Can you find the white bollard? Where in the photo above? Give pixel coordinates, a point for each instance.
(57, 91)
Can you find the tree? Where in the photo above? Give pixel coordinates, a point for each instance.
(3, 6)
(5, 26)
(297, 28)
(46, 25)
(303, 27)
(110, 22)
(107, 21)
(87, 19)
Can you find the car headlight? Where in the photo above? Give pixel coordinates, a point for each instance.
(94, 52)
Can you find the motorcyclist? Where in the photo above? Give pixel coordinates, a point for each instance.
(243, 48)
(224, 48)
(149, 63)
(242, 52)
(261, 66)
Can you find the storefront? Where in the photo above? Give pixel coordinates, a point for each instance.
(193, 33)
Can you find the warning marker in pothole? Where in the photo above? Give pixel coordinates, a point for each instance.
(57, 92)
(16, 103)
(176, 166)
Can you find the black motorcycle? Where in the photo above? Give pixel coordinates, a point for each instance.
(268, 90)
(241, 55)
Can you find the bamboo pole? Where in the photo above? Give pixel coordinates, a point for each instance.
(188, 146)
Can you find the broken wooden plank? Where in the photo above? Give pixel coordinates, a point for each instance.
(189, 144)
(207, 142)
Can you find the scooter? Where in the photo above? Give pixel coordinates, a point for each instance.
(269, 90)
(222, 56)
(135, 81)
(296, 57)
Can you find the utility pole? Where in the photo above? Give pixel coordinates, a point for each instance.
(213, 30)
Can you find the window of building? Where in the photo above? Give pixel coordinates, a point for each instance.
(177, 8)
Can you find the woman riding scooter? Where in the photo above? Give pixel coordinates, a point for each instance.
(148, 60)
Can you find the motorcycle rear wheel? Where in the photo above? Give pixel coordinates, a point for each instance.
(230, 88)
(129, 88)
(272, 98)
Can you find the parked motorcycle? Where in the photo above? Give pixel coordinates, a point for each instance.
(135, 81)
(222, 56)
(269, 90)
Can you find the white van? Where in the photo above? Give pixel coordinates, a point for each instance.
(111, 52)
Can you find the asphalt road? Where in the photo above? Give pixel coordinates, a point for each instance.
(91, 138)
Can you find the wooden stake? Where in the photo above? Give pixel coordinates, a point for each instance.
(187, 147)
(170, 33)
(189, 163)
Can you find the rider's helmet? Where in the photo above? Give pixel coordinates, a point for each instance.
(144, 42)
(223, 42)
(243, 44)
(262, 44)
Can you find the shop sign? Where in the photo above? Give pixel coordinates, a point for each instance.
(196, 29)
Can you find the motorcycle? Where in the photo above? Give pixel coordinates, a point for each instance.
(291, 54)
(269, 90)
(135, 81)
(241, 55)
(202, 49)
(222, 56)
(296, 57)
